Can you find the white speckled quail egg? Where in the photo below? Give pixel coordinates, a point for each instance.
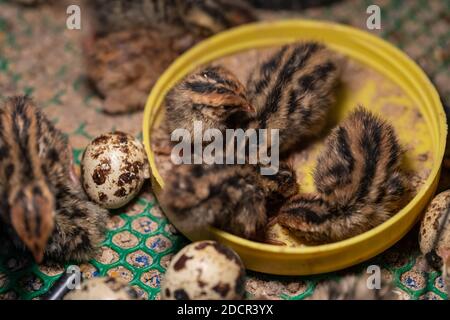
(446, 275)
(103, 288)
(113, 169)
(434, 237)
(204, 270)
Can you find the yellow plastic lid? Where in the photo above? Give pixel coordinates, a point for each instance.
(371, 52)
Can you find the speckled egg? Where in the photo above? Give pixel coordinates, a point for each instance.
(434, 237)
(204, 270)
(113, 169)
(103, 288)
(446, 275)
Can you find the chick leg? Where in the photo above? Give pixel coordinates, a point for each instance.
(79, 229)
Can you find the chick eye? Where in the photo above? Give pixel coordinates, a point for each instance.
(197, 106)
(222, 90)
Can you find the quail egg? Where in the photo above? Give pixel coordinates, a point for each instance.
(446, 275)
(103, 288)
(204, 270)
(434, 237)
(113, 169)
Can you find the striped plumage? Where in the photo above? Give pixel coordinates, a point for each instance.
(358, 179)
(203, 17)
(130, 43)
(235, 198)
(123, 66)
(42, 208)
(207, 17)
(293, 91)
(212, 95)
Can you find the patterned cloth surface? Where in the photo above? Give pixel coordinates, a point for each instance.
(40, 57)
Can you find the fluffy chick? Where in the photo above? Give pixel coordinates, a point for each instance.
(446, 275)
(358, 179)
(42, 209)
(212, 95)
(131, 43)
(293, 91)
(234, 198)
(123, 66)
(204, 17)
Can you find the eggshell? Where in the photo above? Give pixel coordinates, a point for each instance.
(434, 237)
(446, 275)
(114, 167)
(103, 288)
(204, 270)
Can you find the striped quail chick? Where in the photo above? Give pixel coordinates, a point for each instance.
(293, 91)
(234, 198)
(131, 43)
(123, 66)
(358, 180)
(212, 95)
(203, 17)
(43, 210)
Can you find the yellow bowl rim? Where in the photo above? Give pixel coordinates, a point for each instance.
(185, 59)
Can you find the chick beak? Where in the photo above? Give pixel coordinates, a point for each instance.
(34, 227)
(248, 107)
(38, 254)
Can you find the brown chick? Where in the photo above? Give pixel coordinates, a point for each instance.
(204, 17)
(233, 198)
(353, 287)
(131, 43)
(31, 2)
(358, 179)
(293, 91)
(42, 209)
(212, 95)
(124, 66)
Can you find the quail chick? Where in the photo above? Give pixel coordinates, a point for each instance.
(234, 198)
(204, 17)
(212, 95)
(131, 43)
(31, 2)
(288, 4)
(293, 91)
(358, 179)
(353, 287)
(42, 209)
(123, 66)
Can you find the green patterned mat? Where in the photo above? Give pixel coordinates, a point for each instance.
(39, 56)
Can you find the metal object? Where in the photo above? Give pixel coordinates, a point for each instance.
(62, 286)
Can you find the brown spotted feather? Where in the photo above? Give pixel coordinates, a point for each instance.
(234, 198)
(40, 201)
(358, 179)
(203, 17)
(212, 95)
(293, 91)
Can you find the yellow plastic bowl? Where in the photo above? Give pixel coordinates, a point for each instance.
(368, 50)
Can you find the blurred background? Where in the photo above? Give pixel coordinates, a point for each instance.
(39, 56)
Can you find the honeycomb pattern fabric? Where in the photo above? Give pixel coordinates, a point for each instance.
(39, 56)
